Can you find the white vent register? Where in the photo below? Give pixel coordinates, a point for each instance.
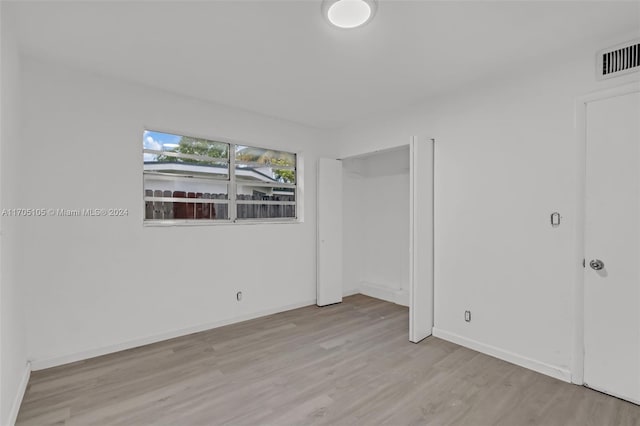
(618, 60)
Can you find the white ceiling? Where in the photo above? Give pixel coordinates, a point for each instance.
(282, 59)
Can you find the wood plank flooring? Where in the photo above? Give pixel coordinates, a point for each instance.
(343, 364)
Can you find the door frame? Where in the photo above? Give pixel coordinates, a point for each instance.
(422, 287)
(577, 358)
(427, 286)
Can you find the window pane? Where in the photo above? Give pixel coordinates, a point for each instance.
(173, 145)
(201, 211)
(266, 211)
(169, 154)
(248, 192)
(154, 183)
(181, 167)
(166, 205)
(264, 174)
(189, 178)
(258, 164)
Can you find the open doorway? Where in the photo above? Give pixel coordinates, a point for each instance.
(375, 229)
(375, 204)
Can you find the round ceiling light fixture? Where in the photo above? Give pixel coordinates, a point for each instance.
(348, 13)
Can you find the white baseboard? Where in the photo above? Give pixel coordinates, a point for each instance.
(397, 296)
(541, 367)
(347, 293)
(41, 364)
(402, 297)
(17, 402)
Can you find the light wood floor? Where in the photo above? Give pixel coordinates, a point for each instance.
(343, 364)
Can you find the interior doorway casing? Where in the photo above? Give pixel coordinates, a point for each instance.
(421, 238)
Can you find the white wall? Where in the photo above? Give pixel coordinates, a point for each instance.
(376, 225)
(13, 343)
(505, 155)
(505, 158)
(99, 284)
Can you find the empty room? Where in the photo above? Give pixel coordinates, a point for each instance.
(337, 212)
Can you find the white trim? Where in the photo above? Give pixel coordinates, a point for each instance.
(532, 364)
(260, 202)
(186, 200)
(377, 151)
(232, 189)
(151, 223)
(421, 242)
(379, 291)
(577, 358)
(353, 291)
(158, 174)
(300, 185)
(41, 364)
(412, 239)
(608, 392)
(189, 156)
(17, 402)
(622, 90)
(272, 184)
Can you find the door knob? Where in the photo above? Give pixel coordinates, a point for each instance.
(596, 264)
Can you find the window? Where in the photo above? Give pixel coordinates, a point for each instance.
(190, 179)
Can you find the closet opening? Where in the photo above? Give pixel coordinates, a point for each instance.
(376, 224)
(375, 229)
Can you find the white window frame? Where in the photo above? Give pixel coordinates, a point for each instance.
(232, 185)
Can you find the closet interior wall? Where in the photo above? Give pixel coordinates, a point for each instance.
(376, 225)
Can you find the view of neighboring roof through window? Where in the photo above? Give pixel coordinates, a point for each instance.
(253, 183)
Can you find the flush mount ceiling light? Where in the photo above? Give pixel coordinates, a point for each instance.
(348, 13)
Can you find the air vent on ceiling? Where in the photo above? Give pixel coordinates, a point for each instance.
(617, 60)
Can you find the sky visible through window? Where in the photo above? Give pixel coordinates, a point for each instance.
(159, 142)
(275, 165)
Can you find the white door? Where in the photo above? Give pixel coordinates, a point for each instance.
(612, 247)
(329, 237)
(421, 239)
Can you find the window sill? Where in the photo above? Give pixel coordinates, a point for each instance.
(165, 223)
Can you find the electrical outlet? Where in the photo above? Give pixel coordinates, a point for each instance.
(467, 316)
(239, 296)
